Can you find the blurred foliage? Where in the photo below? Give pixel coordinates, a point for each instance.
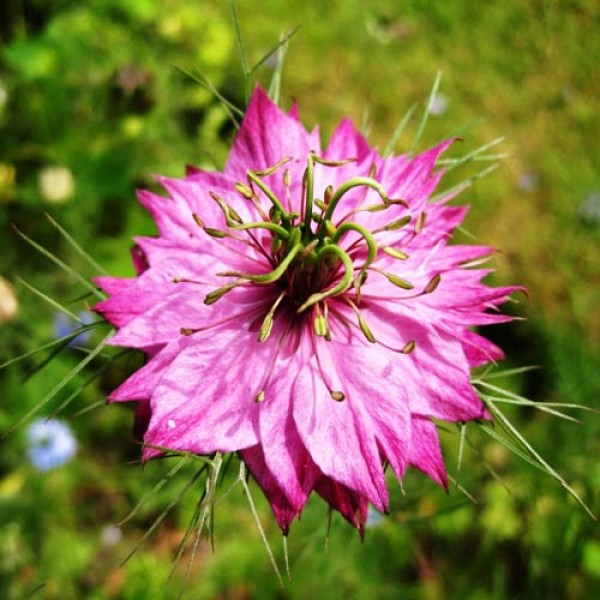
(92, 104)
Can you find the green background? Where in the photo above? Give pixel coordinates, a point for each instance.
(94, 88)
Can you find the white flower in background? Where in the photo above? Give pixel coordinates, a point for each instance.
(438, 105)
(111, 536)
(51, 444)
(56, 184)
(8, 301)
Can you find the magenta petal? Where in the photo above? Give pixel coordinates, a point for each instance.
(349, 503)
(266, 136)
(287, 458)
(210, 378)
(342, 446)
(284, 512)
(143, 382)
(425, 453)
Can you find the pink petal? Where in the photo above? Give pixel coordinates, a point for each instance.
(342, 446)
(143, 382)
(349, 503)
(286, 457)
(266, 136)
(284, 512)
(425, 452)
(205, 401)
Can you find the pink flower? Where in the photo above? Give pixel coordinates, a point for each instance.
(304, 309)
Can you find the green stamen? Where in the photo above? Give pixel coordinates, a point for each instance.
(253, 178)
(347, 186)
(267, 325)
(271, 276)
(280, 231)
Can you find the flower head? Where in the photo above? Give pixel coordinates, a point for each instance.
(51, 444)
(304, 309)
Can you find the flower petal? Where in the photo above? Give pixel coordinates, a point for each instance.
(349, 503)
(425, 453)
(205, 402)
(284, 512)
(342, 446)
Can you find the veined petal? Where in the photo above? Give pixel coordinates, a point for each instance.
(349, 503)
(266, 136)
(342, 446)
(283, 510)
(205, 401)
(425, 452)
(287, 458)
(144, 381)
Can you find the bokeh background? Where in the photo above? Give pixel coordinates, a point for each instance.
(93, 102)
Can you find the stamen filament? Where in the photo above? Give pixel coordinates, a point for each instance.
(253, 178)
(272, 275)
(347, 186)
(280, 231)
(362, 323)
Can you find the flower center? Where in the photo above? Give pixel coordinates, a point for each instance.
(309, 264)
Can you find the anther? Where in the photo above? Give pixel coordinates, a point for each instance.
(231, 216)
(337, 395)
(320, 326)
(420, 222)
(267, 324)
(328, 194)
(333, 163)
(398, 223)
(198, 221)
(216, 233)
(362, 323)
(244, 190)
(397, 281)
(433, 283)
(394, 253)
(271, 170)
(215, 295)
(409, 347)
(260, 397)
(187, 331)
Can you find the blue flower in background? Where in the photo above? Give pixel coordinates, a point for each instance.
(64, 325)
(51, 444)
(374, 517)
